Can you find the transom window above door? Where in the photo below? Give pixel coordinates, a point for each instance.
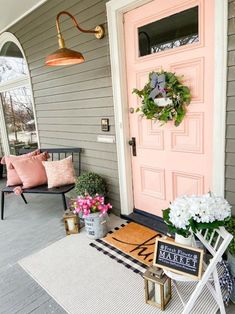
(170, 32)
(17, 115)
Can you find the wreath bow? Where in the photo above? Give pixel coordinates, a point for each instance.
(158, 83)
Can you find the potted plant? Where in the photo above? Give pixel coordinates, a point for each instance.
(230, 227)
(188, 214)
(90, 183)
(94, 211)
(177, 217)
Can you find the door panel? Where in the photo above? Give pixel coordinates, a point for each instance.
(170, 160)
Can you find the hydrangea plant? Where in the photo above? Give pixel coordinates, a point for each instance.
(192, 213)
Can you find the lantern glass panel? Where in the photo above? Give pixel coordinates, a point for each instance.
(71, 224)
(166, 289)
(154, 292)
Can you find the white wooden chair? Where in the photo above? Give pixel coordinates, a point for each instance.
(216, 244)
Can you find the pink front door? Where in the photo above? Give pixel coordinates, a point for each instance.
(170, 160)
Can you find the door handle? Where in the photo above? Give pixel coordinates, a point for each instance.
(132, 143)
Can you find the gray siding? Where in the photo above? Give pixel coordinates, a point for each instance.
(230, 132)
(70, 101)
(1, 150)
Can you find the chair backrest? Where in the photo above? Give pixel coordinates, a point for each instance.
(216, 241)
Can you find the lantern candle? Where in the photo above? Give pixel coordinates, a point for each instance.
(71, 222)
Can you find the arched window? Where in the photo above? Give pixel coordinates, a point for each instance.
(17, 114)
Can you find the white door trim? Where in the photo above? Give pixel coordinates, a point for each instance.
(7, 36)
(220, 93)
(115, 12)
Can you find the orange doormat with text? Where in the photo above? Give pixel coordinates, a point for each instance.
(135, 240)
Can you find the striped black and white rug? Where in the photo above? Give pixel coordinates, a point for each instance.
(117, 255)
(137, 267)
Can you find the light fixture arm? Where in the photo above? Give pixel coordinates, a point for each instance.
(98, 31)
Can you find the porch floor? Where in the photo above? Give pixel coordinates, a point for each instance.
(25, 230)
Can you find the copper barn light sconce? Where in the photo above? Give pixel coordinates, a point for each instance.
(65, 56)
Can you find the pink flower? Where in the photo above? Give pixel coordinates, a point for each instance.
(86, 212)
(88, 204)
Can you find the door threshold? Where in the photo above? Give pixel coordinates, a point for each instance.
(148, 220)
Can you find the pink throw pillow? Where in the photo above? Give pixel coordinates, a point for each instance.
(34, 153)
(12, 176)
(31, 171)
(59, 172)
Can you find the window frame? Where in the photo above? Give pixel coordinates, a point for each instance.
(13, 84)
(168, 50)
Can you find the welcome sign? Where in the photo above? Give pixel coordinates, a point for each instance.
(178, 258)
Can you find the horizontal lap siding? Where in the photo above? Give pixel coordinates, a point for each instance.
(1, 150)
(230, 132)
(70, 101)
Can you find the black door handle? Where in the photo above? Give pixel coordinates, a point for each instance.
(133, 144)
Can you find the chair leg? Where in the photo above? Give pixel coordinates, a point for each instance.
(24, 199)
(64, 202)
(219, 298)
(2, 205)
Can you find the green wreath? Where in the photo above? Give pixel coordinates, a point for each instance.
(164, 98)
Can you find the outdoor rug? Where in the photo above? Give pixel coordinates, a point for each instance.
(83, 281)
(131, 245)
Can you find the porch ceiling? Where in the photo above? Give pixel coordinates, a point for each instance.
(12, 11)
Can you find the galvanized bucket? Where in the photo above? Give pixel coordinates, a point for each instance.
(96, 226)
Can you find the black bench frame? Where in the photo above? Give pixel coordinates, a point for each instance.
(56, 154)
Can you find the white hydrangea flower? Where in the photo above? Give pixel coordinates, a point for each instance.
(203, 209)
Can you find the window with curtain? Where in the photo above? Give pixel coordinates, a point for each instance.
(16, 100)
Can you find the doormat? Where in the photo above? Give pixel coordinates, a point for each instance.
(131, 245)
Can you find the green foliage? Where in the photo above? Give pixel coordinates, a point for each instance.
(178, 93)
(196, 226)
(90, 183)
(183, 232)
(230, 227)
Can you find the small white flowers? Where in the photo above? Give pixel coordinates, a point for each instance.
(206, 208)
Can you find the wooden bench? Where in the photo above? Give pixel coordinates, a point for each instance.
(56, 154)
